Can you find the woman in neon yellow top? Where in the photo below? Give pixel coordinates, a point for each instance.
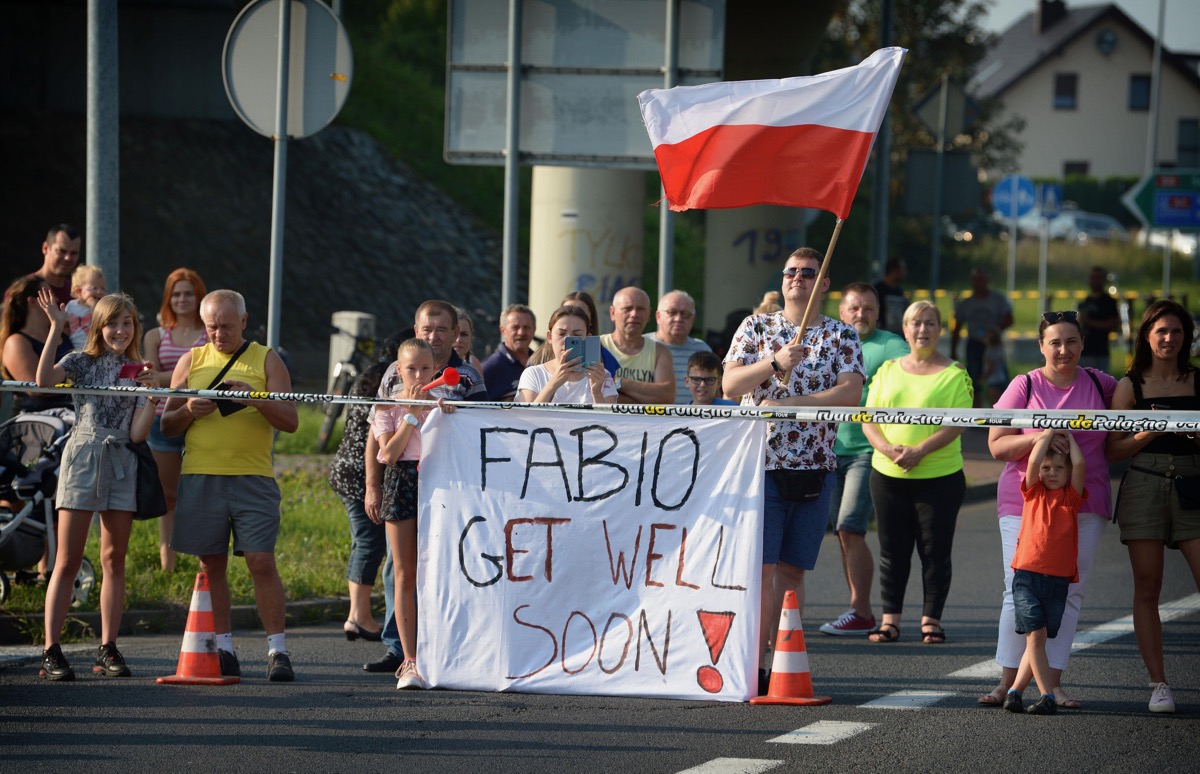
(917, 482)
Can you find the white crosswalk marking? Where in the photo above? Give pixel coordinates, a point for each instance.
(733, 766)
(823, 732)
(913, 699)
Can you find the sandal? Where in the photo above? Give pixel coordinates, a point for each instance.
(993, 699)
(887, 632)
(1064, 701)
(932, 633)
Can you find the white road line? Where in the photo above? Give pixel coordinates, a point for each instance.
(914, 699)
(823, 732)
(1168, 611)
(733, 766)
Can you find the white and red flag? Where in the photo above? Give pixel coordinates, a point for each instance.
(799, 142)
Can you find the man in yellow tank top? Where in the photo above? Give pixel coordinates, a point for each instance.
(228, 482)
(646, 374)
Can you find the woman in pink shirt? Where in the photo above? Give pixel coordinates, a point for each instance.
(1060, 384)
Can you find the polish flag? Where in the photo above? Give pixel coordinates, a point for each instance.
(799, 142)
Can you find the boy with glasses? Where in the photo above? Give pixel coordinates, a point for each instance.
(704, 380)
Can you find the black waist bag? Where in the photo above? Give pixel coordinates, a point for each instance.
(798, 486)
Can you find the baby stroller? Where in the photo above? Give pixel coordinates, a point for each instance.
(30, 451)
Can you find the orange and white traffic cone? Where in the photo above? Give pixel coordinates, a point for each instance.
(791, 682)
(198, 660)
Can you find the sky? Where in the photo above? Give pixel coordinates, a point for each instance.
(1181, 32)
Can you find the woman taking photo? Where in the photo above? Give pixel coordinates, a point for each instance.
(563, 378)
(1060, 384)
(1151, 510)
(181, 329)
(917, 482)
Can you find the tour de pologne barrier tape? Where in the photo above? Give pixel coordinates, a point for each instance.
(1038, 419)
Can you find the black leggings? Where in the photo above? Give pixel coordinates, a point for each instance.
(921, 512)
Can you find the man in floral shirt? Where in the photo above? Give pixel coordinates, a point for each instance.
(770, 364)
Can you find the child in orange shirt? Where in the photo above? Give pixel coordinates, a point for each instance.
(1045, 560)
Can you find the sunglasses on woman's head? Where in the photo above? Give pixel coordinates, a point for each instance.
(1056, 317)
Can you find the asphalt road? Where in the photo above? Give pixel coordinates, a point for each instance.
(336, 717)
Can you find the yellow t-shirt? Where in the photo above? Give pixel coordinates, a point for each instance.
(893, 387)
(238, 444)
(639, 367)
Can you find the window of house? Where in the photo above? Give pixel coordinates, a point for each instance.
(1139, 92)
(1188, 152)
(1065, 87)
(1071, 168)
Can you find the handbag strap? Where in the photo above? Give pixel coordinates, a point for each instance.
(232, 360)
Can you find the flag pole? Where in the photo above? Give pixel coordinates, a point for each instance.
(812, 298)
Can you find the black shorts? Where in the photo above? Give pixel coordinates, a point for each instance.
(400, 491)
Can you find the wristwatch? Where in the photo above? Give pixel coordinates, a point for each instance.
(412, 420)
(775, 365)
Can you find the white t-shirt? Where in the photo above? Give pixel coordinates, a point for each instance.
(537, 377)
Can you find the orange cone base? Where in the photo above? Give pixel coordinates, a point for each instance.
(814, 701)
(182, 680)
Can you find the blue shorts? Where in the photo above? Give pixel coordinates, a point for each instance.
(1039, 601)
(161, 443)
(792, 531)
(852, 508)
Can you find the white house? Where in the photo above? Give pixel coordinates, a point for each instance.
(1080, 77)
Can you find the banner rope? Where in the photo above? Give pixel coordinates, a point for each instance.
(1069, 419)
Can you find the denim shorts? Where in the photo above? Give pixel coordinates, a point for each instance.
(852, 508)
(1039, 601)
(793, 531)
(162, 443)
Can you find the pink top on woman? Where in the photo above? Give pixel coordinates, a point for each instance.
(1082, 394)
(169, 353)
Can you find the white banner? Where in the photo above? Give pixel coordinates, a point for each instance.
(583, 554)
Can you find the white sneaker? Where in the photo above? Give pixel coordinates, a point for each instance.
(408, 678)
(1161, 699)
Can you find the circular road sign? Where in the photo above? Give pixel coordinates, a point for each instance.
(320, 66)
(1014, 196)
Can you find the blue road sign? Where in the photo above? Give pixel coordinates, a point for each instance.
(1014, 196)
(1051, 199)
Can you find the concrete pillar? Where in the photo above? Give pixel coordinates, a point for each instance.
(347, 326)
(745, 249)
(586, 233)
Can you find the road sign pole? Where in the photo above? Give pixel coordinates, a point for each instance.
(935, 262)
(1166, 289)
(279, 189)
(666, 223)
(1012, 238)
(512, 159)
(1044, 254)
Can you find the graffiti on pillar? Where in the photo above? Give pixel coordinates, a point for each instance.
(606, 260)
(766, 245)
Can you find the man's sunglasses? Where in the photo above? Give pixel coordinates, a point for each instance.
(805, 272)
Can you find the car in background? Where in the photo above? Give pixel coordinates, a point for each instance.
(1085, 227)
(1181, 242)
